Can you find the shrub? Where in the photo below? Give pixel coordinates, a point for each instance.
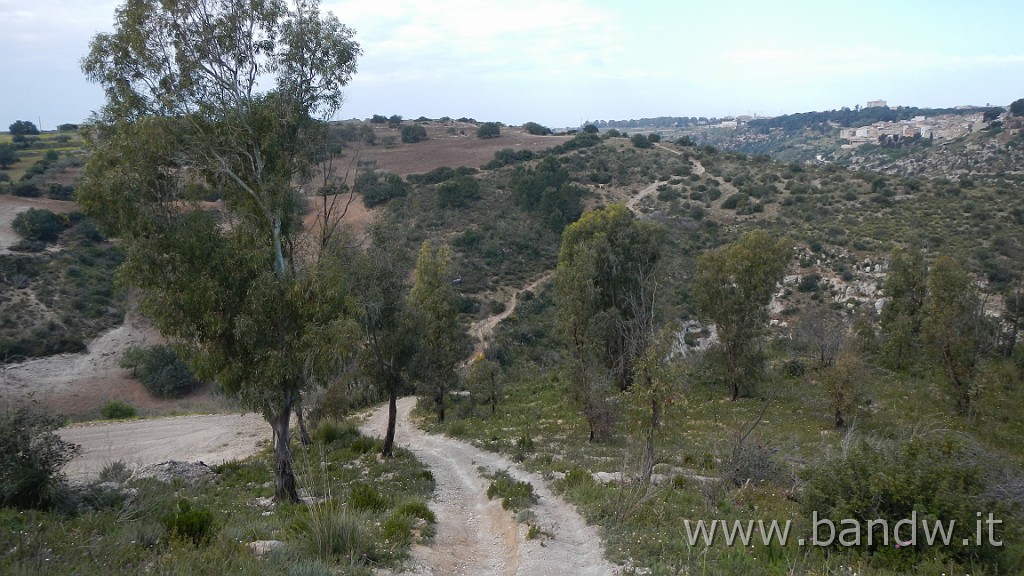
(412, 133)
(488, 130)
(160, 370)
(514, 495)
(194, 524)
(26, 190)
(330, 431)
(379, 187)
(38, 225)
(537, 129)
(117, 410)
(458, 191)
(31, 456)
(641, 141)
(933, 476)
(362, 496)
(332, 532)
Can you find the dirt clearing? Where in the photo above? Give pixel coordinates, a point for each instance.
(212, 439)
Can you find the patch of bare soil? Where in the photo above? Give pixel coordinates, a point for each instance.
(11, 206)
(79, 384)
(212, 439)
(475, 536)
(452, 150)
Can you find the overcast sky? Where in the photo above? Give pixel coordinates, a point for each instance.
(562, 62)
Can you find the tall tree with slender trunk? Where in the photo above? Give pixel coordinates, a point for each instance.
(442, 340)
(733, 287)
(232, 94)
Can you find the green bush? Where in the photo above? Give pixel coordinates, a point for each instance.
(412, 133)
(514, 495)
(935, 477)
(362, 496)
(31, 456)
(160, 370)
(39, 225)
(331, 431)
(193, 524)
(458, 191)
(488, 130)
(117, 410)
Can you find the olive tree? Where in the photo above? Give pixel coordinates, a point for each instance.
(232, 94)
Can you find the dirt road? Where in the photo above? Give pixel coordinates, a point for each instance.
(475, 536)
(212, 438)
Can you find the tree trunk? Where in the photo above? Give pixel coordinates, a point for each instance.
(303, 433)
(649, 448)
(389, 436)
(439, 404)
(284, 475)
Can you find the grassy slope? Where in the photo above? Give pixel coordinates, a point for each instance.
(841, 218)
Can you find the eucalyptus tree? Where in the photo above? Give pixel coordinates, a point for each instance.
(732, 289)
(605, 285)
(389, 329)
(231, 94)
(442, 340)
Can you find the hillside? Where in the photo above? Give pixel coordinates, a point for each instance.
(502, 204)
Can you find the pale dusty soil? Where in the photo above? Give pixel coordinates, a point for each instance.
(79, 384)
(475, 536)
(11, 206)
(443, 149)
(212, 439)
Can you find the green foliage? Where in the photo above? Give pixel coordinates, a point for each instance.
(1017, 107)
(362, 496)
(604, 282)
(732, 289)
(32, 456)
(641, 141)
(39, 225)
(331, 431)
(934, 477)
(378, 187)
(257, 314)
(547, 190)
(515, 495)
(23, 128)
(458, 192)
(412, 133)
(8, 155)
(905, 290)
(117, 410)
(161, 371)
(951, 327)
(432, 301)
(488, 130)
(536, 129)
(190, 523)
(485, 381)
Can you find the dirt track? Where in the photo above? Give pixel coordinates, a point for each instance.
(475, 536)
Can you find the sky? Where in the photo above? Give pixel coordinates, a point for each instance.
(564, 62)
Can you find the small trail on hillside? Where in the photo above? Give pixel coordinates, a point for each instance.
(481, 330)
(476, 536)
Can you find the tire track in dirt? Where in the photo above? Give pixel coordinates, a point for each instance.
(475, 536)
